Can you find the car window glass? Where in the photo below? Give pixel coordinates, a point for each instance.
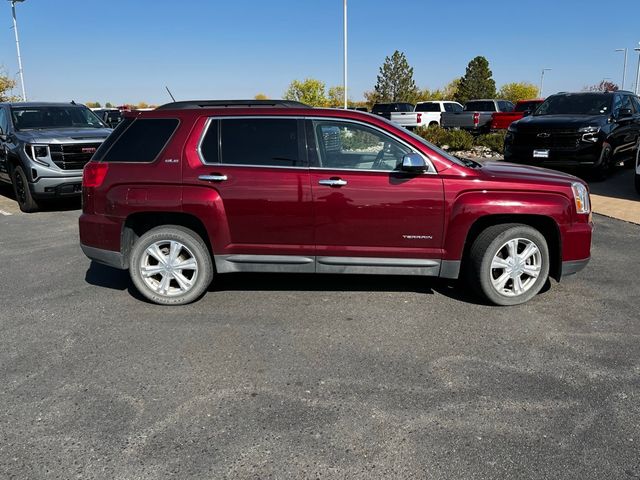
(260, 141)
(344, 145)
(4, 124)
(209, 147)
(455, 107)
(140, 141)
(617, 104)
(480, 106)
(626, 102)
(636, 103)
(427, 107)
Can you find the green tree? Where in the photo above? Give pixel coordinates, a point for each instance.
(335, 97)
(395, 81)
(108, 105)
(93, 104)
(516, 91)
(309, 91)
(260, 96)
(450, 90)
(6, 86)
(477, 81)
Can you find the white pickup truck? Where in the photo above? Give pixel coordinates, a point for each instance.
(425, 114)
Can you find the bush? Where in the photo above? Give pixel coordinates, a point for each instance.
(494, 141)
(455, 139)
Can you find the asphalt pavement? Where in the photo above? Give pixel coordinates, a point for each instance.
(284, 376)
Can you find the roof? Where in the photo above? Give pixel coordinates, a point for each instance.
(196, 104)
(42, 104)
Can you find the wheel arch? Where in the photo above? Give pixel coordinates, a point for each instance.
(547, 226)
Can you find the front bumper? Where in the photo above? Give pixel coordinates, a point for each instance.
(56, 187)
(588, 156)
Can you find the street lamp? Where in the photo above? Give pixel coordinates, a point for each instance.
(542, 80)
(344, 66)
(15, 29)
(624, 68)
(637, 49)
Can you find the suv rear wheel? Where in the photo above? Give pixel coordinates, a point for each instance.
(25, 199)
(509, 264)
(171, 265)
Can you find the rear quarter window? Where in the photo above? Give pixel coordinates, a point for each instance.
(139, 141)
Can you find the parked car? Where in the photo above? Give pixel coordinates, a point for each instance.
(385, 109)
(43, 148)
(592, 130)
(289, 188)
(523, 108)
(110, 116)
(476, 115)
(425, 114)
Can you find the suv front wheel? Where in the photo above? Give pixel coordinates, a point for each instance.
(171, 265)
(509, 264)
(25, 199)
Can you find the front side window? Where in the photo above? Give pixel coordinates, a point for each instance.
(342, 145)
(72, 116)
(260, 142)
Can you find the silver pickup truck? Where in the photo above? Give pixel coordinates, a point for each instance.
(476, 115)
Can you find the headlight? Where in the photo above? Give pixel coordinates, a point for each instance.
(581, 197)
(38, 153)
(589, 134)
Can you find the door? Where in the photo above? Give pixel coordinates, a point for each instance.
(258, 169)
(624, 135)
(4, 130)
(368, 214)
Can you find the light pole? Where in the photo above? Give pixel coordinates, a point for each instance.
(344, 66)
(636, 90)
(15, 29)
(542, 80)
(624, 68)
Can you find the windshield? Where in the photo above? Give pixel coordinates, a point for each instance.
(576, 104)
(29, 118)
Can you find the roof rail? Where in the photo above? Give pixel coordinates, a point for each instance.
(194, 104)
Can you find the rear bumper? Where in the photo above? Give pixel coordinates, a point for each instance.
(105, 257)
(574, 266)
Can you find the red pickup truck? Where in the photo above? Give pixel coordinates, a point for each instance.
(193, 190)
(502, 120)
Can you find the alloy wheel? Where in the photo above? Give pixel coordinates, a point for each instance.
(168, 268)
(516, 267)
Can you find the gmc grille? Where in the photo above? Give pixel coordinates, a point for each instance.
(72, 156)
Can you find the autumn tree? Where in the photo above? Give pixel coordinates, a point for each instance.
(309, 91)
(603, 86)
(260, 96)
(335, 97)
(93, 104)
(6, 86)
(108, 105)
(516, 91)
(395, 81)
(477, 81)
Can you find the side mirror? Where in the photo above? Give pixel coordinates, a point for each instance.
(413, 163)
(625, 112)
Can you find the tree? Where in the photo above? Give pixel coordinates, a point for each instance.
(450, 90)
(515, 91)
(309, 91)
(6, 86)
(260, 96)
(93, 104)
(603, 86)
(142, 105)
(477, 81)
(336, 97)
(395, 81)
(108, 105)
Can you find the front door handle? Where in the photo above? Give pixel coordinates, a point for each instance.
(333, 182)
(213, 178)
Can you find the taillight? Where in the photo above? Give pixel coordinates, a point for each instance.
(419, 118)
(476, 119)
(93, 174)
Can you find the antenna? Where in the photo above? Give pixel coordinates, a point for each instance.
(169, 92)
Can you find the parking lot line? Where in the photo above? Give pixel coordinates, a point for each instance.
(2, 212)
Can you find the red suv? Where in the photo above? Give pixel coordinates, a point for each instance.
(192, 190)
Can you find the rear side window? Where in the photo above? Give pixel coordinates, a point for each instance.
(139, 141)
(427, 107)
(261, 141)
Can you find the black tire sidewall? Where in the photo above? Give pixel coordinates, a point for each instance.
(193, 242)
(29, 205)
(484, 274)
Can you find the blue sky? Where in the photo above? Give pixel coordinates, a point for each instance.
(127, 50)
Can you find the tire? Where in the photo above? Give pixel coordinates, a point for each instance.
(24, 197)
(164, 283)
(434, 124)
(492, 246)
(605, 166)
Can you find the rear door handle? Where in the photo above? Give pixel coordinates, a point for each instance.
(333, 182)
(213, 178)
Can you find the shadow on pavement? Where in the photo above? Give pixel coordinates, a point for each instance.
(56, 205)
(618, 185)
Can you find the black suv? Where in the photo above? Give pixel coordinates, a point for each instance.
(593, 130)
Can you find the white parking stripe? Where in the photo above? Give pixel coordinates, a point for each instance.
(2, 212)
